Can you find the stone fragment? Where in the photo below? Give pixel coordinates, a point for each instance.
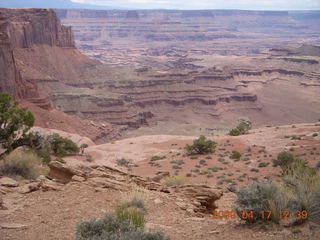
(107, 183)
(31, 187)
(76, 178)
(182, 205)
(12, 226)
(158, 201)
(49, 185)
(8, 182)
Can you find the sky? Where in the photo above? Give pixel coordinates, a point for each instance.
(210, 4)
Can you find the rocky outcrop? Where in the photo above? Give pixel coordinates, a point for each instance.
(196, 199)
(28, 27)
(200, 198)
(25, 28)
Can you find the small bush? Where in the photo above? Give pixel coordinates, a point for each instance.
(175, 181)
(156, 158)
(63, 146)
(123, 162)
(314, 134)
(299, 191)
(235, 155)
(202, 162)
(23, 164)
(234, 132)
(263, 164)
(201, 146)
(112, 228)
(283, 160)
(254, 197)
(242, 128)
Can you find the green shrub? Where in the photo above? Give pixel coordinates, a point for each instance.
(299, 191)
(235, 155)
(234, 132)
(112, 228)
(45, 153)
(15, 122)
(242, 128)
(63, 146)
(283, 160)
(156, 158)
(127, 223)
(254, 197)
(23, 164)
(201, 146)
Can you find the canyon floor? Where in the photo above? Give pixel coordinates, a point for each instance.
(54, 214)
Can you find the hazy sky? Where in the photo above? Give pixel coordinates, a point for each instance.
(212, 4)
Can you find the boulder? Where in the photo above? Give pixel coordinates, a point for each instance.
(8, 182)
(62, 171)
(201, 198)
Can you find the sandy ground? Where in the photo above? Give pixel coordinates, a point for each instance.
(260, 146)
(53, 215)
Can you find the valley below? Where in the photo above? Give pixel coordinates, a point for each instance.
(133, 90)
(169, 72)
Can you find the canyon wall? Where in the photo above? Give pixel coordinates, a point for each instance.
(25, 28)
(35, 47)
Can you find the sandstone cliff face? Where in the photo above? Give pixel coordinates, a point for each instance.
(26, 28)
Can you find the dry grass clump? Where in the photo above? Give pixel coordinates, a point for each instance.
(22, 164)
(126, 223)
(298, 194)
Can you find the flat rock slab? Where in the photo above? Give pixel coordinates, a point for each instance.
(12, 226)
(8, 182)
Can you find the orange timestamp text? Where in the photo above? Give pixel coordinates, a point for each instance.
(262, 215)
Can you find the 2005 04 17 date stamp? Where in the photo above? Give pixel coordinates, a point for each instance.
(263, 214)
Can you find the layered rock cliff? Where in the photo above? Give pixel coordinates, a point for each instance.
(35, 47)
(27, 28)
